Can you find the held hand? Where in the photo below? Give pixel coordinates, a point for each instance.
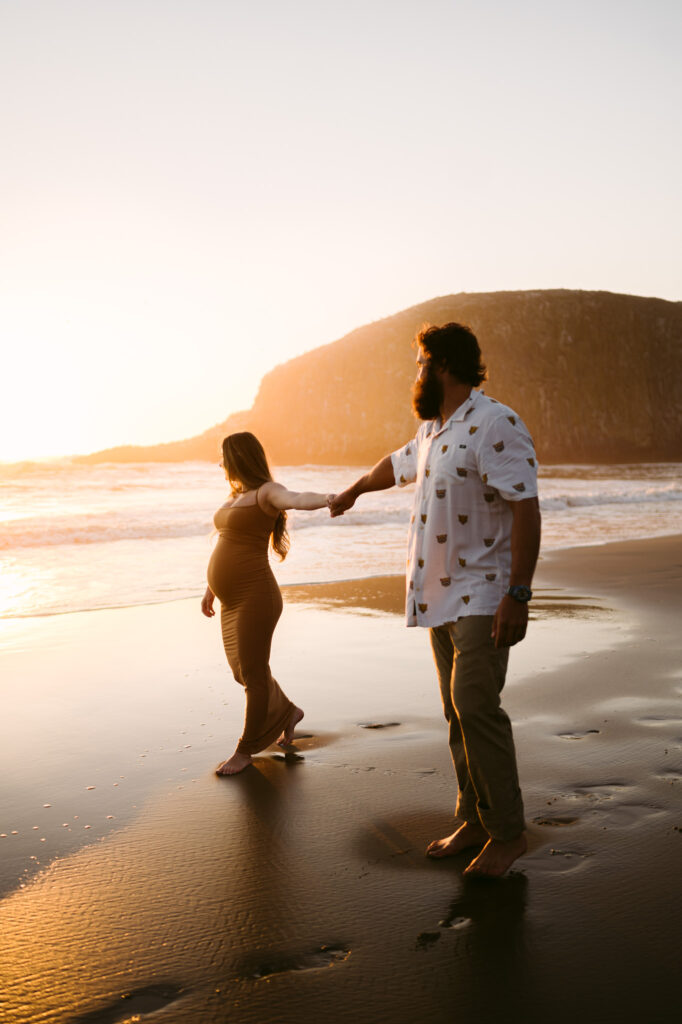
(510, 622)
(340, 503)
(207, 603)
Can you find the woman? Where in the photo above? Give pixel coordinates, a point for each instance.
(239, 575)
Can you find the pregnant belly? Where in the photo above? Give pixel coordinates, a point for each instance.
(234, 572)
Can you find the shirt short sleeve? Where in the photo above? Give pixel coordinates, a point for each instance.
(506, 458)
(405, 463)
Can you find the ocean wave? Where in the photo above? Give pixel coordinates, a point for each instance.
(91, 529)
(104, 528)
(648, 496)
(23, 534)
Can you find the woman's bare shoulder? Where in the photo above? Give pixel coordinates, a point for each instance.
(269, 492)
(276, 495)
(270, 487)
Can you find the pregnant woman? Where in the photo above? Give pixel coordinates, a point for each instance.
(239, 575)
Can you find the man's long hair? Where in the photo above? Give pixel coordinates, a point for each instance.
(453, 346)
(246, 465)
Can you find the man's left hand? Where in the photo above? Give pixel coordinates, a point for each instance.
(510, 622)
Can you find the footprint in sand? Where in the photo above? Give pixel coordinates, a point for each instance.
(132, 1005)
(555, 821)
(325, 956)
(456, 924)
(601, 791)
(557, 861)
(659, 720)
(378, 725)
(578, 735)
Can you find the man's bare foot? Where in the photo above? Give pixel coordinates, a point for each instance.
(287, 736)
(496, 857)
(468, 834)
(235, 764)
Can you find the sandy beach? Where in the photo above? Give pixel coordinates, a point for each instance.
(137, 885)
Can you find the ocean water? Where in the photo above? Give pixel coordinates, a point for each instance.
(75, 537)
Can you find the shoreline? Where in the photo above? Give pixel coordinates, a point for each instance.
(548, 555)
(302, 883)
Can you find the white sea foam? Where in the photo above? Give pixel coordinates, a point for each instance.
(74, 536)
(560, 502)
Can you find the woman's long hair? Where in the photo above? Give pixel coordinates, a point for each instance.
(247, 468)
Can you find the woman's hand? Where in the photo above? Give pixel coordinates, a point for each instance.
(340, 503)
(207, 603)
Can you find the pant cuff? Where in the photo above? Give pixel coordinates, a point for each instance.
(504, 827)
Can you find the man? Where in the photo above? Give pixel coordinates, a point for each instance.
(472, 547)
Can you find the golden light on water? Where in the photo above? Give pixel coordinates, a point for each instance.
(15, 587)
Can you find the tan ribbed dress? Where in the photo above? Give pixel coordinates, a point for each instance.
(240, 576)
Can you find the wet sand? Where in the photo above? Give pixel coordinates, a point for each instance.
(137, 885)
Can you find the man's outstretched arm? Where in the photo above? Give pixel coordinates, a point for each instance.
(379, 478)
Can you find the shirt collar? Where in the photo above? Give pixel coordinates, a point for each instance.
(458, 415)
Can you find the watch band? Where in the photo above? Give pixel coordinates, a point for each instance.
(520, 593)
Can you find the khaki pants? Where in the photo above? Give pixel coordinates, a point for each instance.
(471, 672)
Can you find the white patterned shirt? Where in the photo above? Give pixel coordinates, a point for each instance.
(459, 543)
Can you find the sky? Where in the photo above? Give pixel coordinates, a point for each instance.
(193, 191)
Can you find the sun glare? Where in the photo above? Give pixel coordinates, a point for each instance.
(14, 588)
(43, 399)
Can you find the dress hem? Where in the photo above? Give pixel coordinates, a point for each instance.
(256, 746)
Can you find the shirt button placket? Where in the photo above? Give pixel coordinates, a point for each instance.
(421, 532)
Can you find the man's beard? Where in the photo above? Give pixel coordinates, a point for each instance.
(427, 396)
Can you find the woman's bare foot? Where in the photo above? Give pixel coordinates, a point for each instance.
(235, 764)
(497, 857)
(468, 834)
(288, 734)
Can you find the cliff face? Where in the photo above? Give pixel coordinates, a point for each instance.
(594, 375)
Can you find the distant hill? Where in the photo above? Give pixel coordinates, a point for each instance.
(594, 375)
(204, 446)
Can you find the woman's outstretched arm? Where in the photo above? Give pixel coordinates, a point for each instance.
(278, 497)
